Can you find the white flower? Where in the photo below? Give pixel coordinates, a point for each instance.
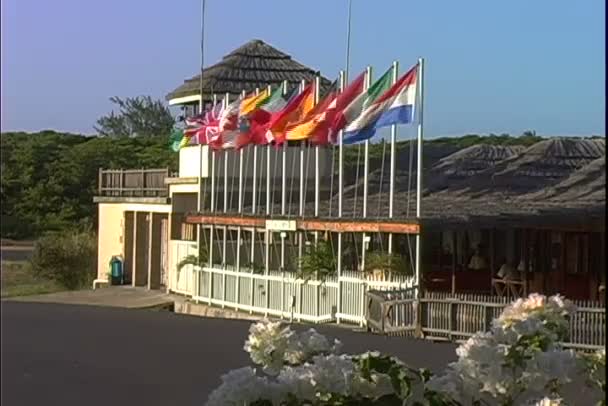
(304, 346)
(267, 344)
(546, 401)
(325, 374)
(242, 386)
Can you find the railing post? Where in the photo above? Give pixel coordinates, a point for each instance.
(143, 182)
(453, 320)
(100, 174)
(488, 317)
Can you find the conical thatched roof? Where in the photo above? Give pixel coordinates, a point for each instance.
(585, 186)
(468, 162)
(560, 181)
(253, 65)
(544, 164)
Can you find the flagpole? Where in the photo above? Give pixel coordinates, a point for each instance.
(340, 191)
(350, 4)
(200, 148)
(393, 159)
(317, 175)
(420, 81)
(368, 81)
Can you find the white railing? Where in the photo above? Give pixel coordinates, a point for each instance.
(181, 280)
(286, 296)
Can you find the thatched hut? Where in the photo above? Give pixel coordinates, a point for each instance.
(586, 186)
(468, 162)
(255, 64)
(542, 165)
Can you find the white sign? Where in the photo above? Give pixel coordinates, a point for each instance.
(280, 225)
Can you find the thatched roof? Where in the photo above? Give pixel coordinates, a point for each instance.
(468, 162)
(585, 186)
(554, 182)
(542, 165)
(253, 65)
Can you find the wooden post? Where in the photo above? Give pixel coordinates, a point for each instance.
(143, 182)
(525, 244)
(492, 256)
(100, 179)
(454, 239)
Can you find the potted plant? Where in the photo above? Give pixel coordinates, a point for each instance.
(317, 262)
(382, 265)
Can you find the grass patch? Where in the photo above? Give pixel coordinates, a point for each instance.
(18, 279)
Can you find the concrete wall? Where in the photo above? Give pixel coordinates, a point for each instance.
(111, 231)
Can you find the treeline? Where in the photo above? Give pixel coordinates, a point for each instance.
(49, 179)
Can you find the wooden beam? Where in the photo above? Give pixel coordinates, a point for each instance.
(358, 226)
(344, 226)
(226, 220)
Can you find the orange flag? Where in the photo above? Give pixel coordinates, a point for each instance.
(295, 111)
(306, 127)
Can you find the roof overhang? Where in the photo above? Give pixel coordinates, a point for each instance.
(185, 100)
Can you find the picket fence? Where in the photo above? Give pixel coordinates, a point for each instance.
(456, 317)
(282, 294)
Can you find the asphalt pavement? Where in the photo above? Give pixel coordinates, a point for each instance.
(58, 354)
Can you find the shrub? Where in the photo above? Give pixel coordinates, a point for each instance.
(318, 262)
(519, 361)
(67, 257)
(387, 263)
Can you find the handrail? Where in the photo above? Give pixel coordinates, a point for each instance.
(133, 182)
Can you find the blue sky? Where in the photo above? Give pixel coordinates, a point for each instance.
(491, 66)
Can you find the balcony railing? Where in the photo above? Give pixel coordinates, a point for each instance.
(133, 182)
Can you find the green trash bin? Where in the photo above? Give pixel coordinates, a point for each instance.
(116, 270)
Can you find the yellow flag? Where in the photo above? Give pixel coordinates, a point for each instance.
(250, 103)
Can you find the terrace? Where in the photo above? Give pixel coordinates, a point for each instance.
(132, 183)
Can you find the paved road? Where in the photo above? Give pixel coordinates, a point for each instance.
(73, 355)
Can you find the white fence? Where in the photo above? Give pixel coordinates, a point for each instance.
(278, 294)
(283, 295)
(181, 281)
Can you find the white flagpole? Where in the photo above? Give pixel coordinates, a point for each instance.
(350, 4)
(317, 175)
(340, 191)
(391, 192)
(284, 175)
(420, 80)
(200, 147)
(368, 81)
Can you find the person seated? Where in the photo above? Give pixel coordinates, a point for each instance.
(477, 262)
(507, 272)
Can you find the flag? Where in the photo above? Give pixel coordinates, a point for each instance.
(395, 106)
(261, 119)
(253, 125)
(360, 103)
(304, 128)
(198, 127)
(175, 139)
(252, 102)
(297, 108)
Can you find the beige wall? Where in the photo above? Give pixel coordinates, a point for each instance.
(111, 230)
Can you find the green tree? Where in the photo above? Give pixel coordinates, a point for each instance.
(136, 117)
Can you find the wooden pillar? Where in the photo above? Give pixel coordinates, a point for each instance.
(526, 259)
(492, 256)
(134, 261)
(454, 248)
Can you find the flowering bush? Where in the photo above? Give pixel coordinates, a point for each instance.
(518, 362)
